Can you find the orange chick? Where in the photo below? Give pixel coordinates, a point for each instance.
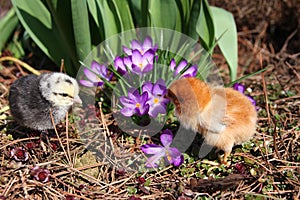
(223, 116)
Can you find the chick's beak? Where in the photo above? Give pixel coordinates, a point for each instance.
(167, 95)
(77, 100)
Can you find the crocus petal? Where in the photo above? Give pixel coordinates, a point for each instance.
(95, 65)
(166, 138)
(178, 161)
(147, 43)
(127, 61)
(142, 110)
(118, 62)
(127, 50)
(181, 66)
(128, 102)
(110, 76)
(147, 68)
(176, 156)
(155, 48)
(151, 148)
(251, 99)
(136, 92)
(144, 97)
(136, 69)
(102, 69)
(159, 88)
(172, 64)
(91, 75)
(136, 45)
(119, 65)
(157, 109)
(152, 161)
(164, 100)
(86, 83)
(239, 87)
(190, 72)
(136, 57)
(147, 87)
(161, 82)
(127, 112)
(131, 97)
(148, 57)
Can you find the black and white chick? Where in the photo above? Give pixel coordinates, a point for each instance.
(33, 98)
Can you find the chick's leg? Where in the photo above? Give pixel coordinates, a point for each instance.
(225, 158)
(227, 150)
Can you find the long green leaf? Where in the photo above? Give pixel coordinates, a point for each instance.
(247, 76)
(81, 28)
(28, 17)
(205, 26)
(92, 5)
(185, 8)
(109, 21)
(225, 29)
(123, 14)
(164, 14)
(50, 27)
(193, 19)
(136, 11)
(7, 26)
(96, 27)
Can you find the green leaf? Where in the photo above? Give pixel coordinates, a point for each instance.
(93, 9)
(31, 19)
(185, 8)
(192, 23)
(50, 27)
(81, 28)
(245, 77)
(7, 25)
(96, 27)
(123, 14)
(16, 47)
(136, 11)
(164, 14)
(109, 21)
(205, 27)
(226, 34)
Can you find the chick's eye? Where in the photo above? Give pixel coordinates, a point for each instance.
(64, 94)
(61, 94)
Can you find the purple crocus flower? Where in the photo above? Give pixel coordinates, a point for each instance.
(171, 154)
(252, 101)
(122, 65)
(142, 63)
(141, 47)
(94, 75)
(134, 103)
(241, 89)
(156, 93)
(189, 72)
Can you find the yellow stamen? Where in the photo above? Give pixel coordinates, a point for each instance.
(168, 156)
(141, 65)
(137, 105)
(156, 100)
